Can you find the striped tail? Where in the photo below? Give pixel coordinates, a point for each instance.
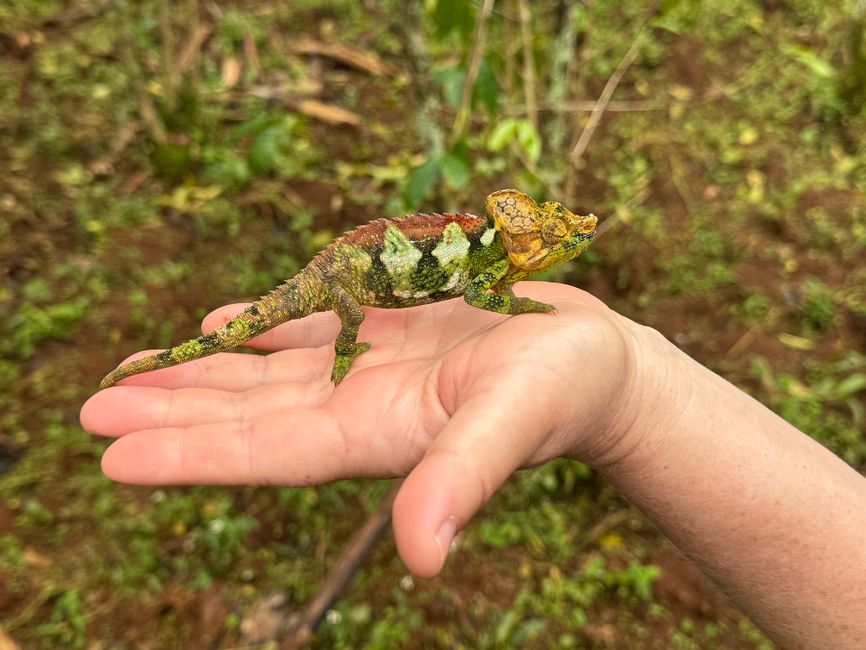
(284, 303)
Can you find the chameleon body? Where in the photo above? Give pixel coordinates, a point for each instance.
(395, 263)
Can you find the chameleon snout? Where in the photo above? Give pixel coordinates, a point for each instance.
(586, 224)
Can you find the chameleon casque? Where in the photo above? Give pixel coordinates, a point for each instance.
(394, 263)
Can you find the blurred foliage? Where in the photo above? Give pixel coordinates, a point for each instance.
(163, 158)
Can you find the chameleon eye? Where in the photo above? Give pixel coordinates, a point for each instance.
(554, 230)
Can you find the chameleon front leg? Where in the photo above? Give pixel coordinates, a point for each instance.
(346, 347)
(502, 300)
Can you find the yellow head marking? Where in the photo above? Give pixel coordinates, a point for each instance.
(538, 236)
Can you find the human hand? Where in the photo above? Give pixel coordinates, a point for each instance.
(453, 397)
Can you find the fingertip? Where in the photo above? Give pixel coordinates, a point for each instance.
(87, 413)
(108, 464)
(135, 460)
(425, 518)
(413, 534)
(100, 413)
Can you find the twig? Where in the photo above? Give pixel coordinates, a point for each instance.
(188, 59)
(169, 76)
(508, 56)
(344, 54)
(616, 219)
(744, 341)
(126, 136)
(344, 570)
(563, 71)
(26, 614)
(589, 105)
(552, 188)
(529, 93)
(196, 35)
(607, 524)
(146, 109)
(597, 111)
(461, 120)
(604, 100)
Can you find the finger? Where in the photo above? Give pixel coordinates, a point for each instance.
(473, 455)
(314, 330)
(125, 409)
(236, 372)
(322, 328)
(286, 447)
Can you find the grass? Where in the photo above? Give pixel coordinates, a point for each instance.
(736, 199)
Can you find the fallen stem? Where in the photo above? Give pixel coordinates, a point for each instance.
(345, 568)
(461, 120)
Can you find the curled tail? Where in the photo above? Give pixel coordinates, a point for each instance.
(293, 299)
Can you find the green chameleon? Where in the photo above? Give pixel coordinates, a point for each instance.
(404, 262)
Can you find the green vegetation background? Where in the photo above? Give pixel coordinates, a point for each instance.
(161, 159)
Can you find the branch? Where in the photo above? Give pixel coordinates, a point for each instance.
(528, 62)
(604, 100)
(461, 120)
(344, 570)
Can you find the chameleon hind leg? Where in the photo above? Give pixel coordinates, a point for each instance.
(346, 347)
(502, 299)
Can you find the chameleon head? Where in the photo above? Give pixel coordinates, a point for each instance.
(538, 236)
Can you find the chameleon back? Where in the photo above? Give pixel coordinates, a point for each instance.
(410, 261)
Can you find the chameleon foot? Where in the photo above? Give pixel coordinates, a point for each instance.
(343, 362)
(530, 306)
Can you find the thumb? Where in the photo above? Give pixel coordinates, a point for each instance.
(485, 441)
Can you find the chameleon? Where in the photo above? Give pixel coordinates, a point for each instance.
(404, 262)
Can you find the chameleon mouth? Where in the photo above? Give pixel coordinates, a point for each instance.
(587, 224)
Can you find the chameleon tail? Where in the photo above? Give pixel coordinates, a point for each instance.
(289, 301)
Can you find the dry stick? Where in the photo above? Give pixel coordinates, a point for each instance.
(169, 75)
(508, 55)
(568, 39)
(528, 62)
(552, 188)
(616, 219)
(600, 106)
(196, 37)
(146, 109)
(604, 100)
(461, 120)
(344, 570)
(588, 105)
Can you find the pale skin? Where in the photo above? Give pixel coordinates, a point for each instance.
(456, 399)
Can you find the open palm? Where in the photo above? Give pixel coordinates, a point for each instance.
(456, 397)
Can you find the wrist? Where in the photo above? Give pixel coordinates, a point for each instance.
(653, 389)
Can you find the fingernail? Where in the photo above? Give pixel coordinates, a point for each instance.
(444, 536)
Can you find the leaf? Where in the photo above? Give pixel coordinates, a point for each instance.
(455, 171)
(529, 139)
(502, 134)
(327, 113)
(231, 71)
(795, 342)
(486, 92)
(850, 385)
(420, 181)
(266, 147)
(451, 82)
(820, 67)
(666, 6)
(451, 15)
(251, 126)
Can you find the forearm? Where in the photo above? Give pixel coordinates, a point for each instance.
(774, 517)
